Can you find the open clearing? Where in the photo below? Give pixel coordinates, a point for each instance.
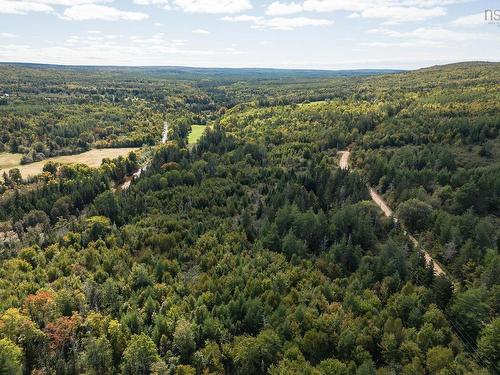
(196, 133)
(8, 160)
(92, 158)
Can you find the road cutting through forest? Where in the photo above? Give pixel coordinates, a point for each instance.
(128, 179)
(379, 201)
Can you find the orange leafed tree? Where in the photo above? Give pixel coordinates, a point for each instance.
(62, 332)
(41, 307)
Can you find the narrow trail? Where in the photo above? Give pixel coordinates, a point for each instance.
(379, 201)
(128, 179)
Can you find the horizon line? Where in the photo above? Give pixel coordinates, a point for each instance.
(246, 68)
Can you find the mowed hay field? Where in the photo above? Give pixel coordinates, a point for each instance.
(8, 160)
(92, 158)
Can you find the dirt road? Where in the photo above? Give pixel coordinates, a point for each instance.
(379, 201)
(125, 184)
(344, 159)
(164, 136)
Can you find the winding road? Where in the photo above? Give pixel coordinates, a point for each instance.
(379, 201)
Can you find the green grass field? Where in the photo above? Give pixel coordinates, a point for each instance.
(92, 158)
(196, 133)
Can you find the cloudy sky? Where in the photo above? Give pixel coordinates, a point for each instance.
(320, 34)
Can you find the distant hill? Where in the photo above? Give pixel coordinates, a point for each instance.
(176, 71)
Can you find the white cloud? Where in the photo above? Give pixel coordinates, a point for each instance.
(410, 44)
(46, 6)
(440, 37)
(376, 44)
(398, 14)
(23, 7)
(354, 5)
(241, 18)
(201, 31)
(155, 39)
(282, 23)
(434, 34)
(393, 10)
(179, 42)
(7, 35)
(407, 46)
(101, 12)
(70, 2)
(430, 3)
(165, 4)
(96, 50)
(233, 51)
(279, 23)
(213, 6)
(445, 35)
(278, 8)
(151, 2)
(335, 5)
(470, 20)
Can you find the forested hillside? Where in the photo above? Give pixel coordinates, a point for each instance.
(251, 251)
(48, 111)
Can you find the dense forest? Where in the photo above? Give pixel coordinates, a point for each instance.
(251, 251)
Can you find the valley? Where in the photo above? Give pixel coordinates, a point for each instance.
(250, 222)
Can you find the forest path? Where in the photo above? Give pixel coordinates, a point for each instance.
(128, 179)
(379, 201)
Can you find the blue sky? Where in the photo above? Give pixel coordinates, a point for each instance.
(317, 34)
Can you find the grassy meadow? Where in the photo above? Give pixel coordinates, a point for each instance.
(196, 133)
(92, 158)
